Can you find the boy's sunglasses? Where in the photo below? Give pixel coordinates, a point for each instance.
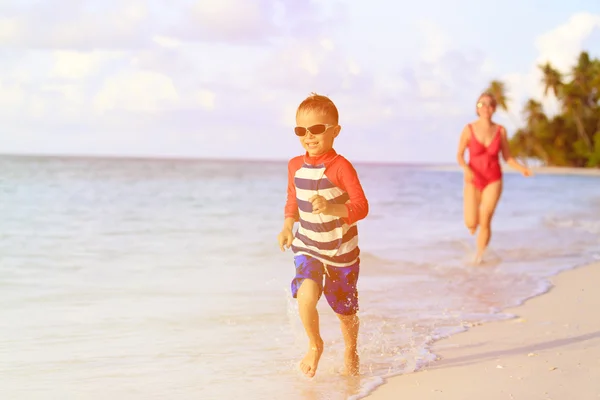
(484, 103)
(315, 129)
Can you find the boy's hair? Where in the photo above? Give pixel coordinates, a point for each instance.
(321, 104)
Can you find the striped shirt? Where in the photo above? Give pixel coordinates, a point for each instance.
(332, 240)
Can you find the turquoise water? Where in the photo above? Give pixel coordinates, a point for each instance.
(154, 279)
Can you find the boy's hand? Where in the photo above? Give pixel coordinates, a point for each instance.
(285, 239)
(319, 204)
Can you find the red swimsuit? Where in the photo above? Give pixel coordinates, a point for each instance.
(484, 160)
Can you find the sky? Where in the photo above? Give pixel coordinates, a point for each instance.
(222, 79)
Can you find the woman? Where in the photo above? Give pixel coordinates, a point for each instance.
(483, 174)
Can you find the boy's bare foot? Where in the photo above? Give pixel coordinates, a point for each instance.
(310, 362)
(351, 363)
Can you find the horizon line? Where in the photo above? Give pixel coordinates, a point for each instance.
(124, 157)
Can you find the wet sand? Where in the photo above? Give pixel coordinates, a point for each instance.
(550, 350)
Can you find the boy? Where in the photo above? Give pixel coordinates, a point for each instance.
(325, 196)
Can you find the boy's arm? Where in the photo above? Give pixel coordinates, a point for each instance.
(358, 206)
(291, 214)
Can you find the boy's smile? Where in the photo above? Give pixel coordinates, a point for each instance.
(321, 143)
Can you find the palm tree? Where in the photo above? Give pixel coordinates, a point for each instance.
(572, 137)
(534, 112)
(574, 105)
(582, 72)
(595, 90)
(552, 79)
(498, 90)
(570, 94)
(536, 131)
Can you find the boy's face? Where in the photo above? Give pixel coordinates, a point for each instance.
(317, 144)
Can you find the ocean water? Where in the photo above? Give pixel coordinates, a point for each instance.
(162, 279)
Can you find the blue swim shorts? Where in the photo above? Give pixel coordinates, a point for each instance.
(339, 287)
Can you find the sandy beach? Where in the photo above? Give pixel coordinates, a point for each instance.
(550, 350)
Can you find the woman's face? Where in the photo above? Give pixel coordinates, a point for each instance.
(486, 107)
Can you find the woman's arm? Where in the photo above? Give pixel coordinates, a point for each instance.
(462, 146)
(508, 158)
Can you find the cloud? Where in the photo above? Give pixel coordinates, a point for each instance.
(78, 25)
(257, 22)
(560, 47)
(159, 68)
(206, 99)
(11, 95)
(138, 24)
(210, 99)
(74, 65)
(229, 20)
(300, 64)
(224, 79)
(136, 91)
(166, 41)
(392, 108)
(436, 41)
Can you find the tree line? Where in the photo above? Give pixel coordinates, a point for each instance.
(571, 138)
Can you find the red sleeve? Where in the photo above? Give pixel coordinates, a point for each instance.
(346, 178)
(291, 205)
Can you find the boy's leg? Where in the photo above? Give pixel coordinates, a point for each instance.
(350, 325)
(342, 295)
(307, 287)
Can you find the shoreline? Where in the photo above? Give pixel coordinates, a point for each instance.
(549, 350)
(536, 170)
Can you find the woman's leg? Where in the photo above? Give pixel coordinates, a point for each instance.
(490, 196)
(472, 199)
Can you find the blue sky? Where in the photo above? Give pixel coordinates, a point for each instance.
(206, 78)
